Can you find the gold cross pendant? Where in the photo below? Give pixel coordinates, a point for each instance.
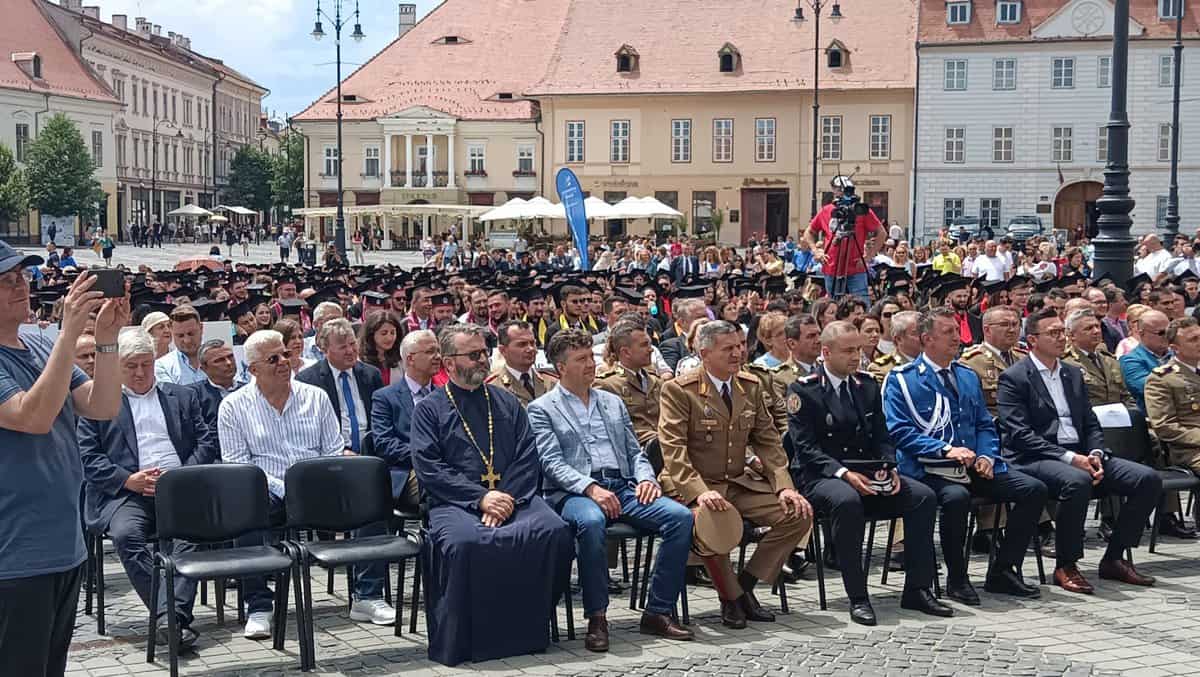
(490, 477)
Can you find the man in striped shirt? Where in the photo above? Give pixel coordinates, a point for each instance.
(272, 423)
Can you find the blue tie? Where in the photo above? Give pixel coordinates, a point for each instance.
(349, 397)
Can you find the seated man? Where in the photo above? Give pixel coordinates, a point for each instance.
(596, 474)
(477, 463)
(1151, 352)
(272, 423)
(391, 413)
(160, 427)
(937, 417)
(1173, 396)
(632, 379)
(707, 418)
(218, 363)
(518, 375)
(835, 416)
(1052, 433)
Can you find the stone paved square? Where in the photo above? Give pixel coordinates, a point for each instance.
(1121, 630)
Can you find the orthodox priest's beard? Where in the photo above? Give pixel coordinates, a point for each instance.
(471, 377)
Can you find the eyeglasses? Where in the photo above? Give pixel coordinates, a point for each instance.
(474, 355)
(1007, 325)
(274, 360)
(1052, 333)
(886, 316)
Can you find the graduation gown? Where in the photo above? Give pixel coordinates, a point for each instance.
(490, 591)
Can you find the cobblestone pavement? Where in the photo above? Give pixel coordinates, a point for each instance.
(165, 257)
(1122, 630)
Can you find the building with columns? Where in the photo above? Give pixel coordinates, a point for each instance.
(484, 100)
(1014, 101)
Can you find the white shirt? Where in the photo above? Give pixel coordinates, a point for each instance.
(253, 431)
(1067, 434)
(360, 410)
(1154, 263)
(154, 446)
(991, 268)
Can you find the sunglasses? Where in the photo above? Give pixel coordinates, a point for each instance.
(887, 316)
(474, 355)
(275, 359)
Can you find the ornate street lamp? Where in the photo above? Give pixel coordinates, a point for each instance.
(1172, 225)
(835, 14)
(1114, 243)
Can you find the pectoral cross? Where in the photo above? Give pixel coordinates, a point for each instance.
(490, 477)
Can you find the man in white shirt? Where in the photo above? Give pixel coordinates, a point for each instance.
(160, 427)
(1157, 258)
(992, 266)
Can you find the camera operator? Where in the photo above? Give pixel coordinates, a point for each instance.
(846, 256)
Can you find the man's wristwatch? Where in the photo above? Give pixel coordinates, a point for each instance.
(106, 347)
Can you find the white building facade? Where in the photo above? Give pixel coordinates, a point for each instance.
(1013, 99)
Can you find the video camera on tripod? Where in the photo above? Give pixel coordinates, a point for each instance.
(846, 209)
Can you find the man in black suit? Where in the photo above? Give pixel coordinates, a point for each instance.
(217, 362)
(391, 413)
(835, 417)
(685, 265)
(160, 427)
(1051, 432)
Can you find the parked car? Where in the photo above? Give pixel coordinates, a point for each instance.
(1021, 228)
(966, 227)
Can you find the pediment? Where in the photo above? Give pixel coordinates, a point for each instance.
(418, 113)
(1082, 19)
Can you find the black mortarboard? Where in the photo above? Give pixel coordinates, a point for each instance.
(629, 295)
(1135, 281)
(950, 283)
(1017, 281)
(292, 306)
(1070, 279)
(244, 308)
(901, 285)
(992, 287)
(209, 310)
(374, 298)
(1187, 274)
(1045, 285)
(691, 291)
(329, 293)
(776, 284)
(442, 298)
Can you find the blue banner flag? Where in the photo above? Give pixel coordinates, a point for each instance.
(572, 200)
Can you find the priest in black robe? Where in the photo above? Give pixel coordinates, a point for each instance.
(497, 556)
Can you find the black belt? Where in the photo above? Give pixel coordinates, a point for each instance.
(607, 474)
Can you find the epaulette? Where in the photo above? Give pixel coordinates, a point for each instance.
(689, 377)
(613, 371)
(809, 378)
(907, 365)
(884, 360)
(1166, 369)
(552, 378)
(491, 378)
(747, 376)
(754, 366)
(1019, 349)
(972, 352)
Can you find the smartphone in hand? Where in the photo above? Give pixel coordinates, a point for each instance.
(111, 283)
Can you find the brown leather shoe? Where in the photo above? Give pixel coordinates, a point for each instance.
(597, 634)
(661, 625)
(1122, 570)
(1069, 579)
(732, 615)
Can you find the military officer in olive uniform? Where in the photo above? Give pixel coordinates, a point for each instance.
(518, 348)
(707, 418)
(1101, 372)
(998, 352)
(1173, 396)
(907, 340)
(631, 378)
(775, 382)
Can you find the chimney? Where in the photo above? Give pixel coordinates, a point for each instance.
(143, 26)
(93, 11)
(157, 29)
(120, 21)
(408, 17)
(185, 43)
(73, 5)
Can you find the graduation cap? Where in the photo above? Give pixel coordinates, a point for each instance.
(1070, 279)
(992, 287)
(442, 298)
(329, 293)
(292, 306)
(776, 284)
(530, 294)
(374, 298)
(1018, 281)
(209, 310)
(901, 285)
(950, 283)
(1186, 275)
(1135, 281)
(628, 295)
(1045, 285)
(244, 308)
(691, 291)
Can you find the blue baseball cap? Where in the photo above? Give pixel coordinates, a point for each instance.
(11, 258)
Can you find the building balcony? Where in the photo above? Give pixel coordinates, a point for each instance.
(440, 179)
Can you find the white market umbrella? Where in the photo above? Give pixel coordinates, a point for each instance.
(218, 219)
(513, 209)
(541, 208)
(595, 208)
(190, 210)
(654, 208)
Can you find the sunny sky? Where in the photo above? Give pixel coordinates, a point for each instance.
(270, 41)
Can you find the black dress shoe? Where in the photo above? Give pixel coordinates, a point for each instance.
(753, 610)
(896, 563)
(1175, 527)
(698, 575)
(1046, 543)
(981, 543)
(732, 615)
(1008, 582)
(963, 593)
(187, 636)
(862, 613)
(794, 569)
(923, 600)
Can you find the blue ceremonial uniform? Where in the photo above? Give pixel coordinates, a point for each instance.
(490, 591)
(1136, 365)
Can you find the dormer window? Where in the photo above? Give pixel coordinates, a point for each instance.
(1008, 11)
(504, 96)
(958, 12)
(627, 59)
(451, 40)
(836, 55)
(30, 63)
(729, 59)
(1169, 9)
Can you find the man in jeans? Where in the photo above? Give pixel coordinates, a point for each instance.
(41, 395)
(846, 258)
(597, 474)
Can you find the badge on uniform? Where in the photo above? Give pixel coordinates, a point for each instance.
(793, 403)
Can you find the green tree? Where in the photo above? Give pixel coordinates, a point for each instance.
(250, 179)
(60, 172)
(287, 176)
(14, 191)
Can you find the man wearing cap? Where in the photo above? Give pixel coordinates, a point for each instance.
(846, 257)
(41, 396)
(160, 427)
(955, 293)
(595, 474)
(181, 366)
(516, 374)
(708, 416)
(840, 443)
(946, 439)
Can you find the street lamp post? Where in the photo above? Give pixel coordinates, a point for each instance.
(154, 160)
(835, 13)
(1114, 243)
(1172, 219)
(339, 236)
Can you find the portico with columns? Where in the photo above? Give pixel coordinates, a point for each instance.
(419, 150)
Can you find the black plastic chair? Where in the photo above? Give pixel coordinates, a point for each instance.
(93, 581)
(211, 504)
(343, 493)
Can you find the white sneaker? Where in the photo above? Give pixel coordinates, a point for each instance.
(376, 611)
(258, 625)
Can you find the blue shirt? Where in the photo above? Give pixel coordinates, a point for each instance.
(590, 422)
(1136, 365)
(40, 476)
(174, 367)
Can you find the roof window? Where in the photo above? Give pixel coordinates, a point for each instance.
(729, 59)
(627, 59)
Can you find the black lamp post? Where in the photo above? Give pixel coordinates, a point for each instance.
(339, 236)
(835, 13)
(1172, 225)
(154, 161)
(1114, 244)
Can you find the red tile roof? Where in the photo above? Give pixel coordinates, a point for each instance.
(504, 46)
(983, 27)
(26, 28)
(678, 41)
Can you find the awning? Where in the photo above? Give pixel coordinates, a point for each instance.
(190, 210)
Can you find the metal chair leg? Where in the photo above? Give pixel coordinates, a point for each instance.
(637, 562)
(172, 625)
(416, 596)
(152, 622)
(646, 570)
(89, 578)
(783, 602)
(625, 560)
(100, 620)
(570, 614)
(303, 619)
(683, 604)
(816, 542)
(400, 571)
(1157, 524)
(870, 546)
(887, 551)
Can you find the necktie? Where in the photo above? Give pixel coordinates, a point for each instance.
(528, 383)
(1096, 361)
(947, 381)
(348, 394)
(846, 398)
(726, 398)
(1007, 357)
(425, 390)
